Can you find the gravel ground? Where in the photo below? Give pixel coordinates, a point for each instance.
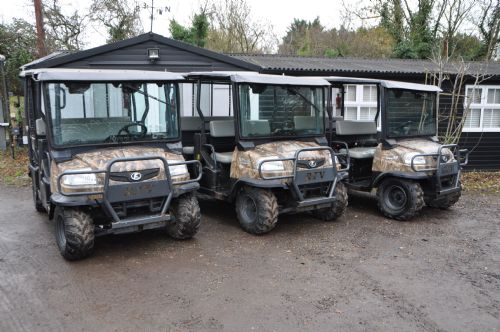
(440, 272)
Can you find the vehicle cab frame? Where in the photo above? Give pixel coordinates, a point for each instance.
(105, 155)
(408, 150)
(256, 143)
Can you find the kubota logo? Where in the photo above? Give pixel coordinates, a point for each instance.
(312, 163)
(135, 176)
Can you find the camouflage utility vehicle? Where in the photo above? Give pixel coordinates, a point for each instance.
(272, 157)
(105, 154)
(405, 162)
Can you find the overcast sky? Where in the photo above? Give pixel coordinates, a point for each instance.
(279, 13)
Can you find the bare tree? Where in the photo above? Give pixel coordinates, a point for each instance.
(120, 18)
(488, 24)
(64, 31)
(452, 76)
(234, 30)
(450, 18)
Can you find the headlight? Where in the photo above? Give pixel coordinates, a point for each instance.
(271, 166)
(177, 170)
(420, 160)
(446, 155)
(80, 179)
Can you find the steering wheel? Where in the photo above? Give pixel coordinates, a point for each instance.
(402, 129)
(134, 135)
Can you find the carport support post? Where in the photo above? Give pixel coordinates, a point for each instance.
(3, 144)
(5, 102)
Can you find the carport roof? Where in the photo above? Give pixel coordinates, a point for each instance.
(297, 64)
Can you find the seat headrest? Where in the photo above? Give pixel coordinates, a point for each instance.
(222, 128)
(302, 122)
(190, 123)
(256, 127)
(355, 127)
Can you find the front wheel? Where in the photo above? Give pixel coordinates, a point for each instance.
(186, 217)
(257, 210)
(74, 233)
(400, 199)
(337, 208)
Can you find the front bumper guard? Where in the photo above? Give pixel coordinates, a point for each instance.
(312, 175)
(130, 191)
(444, 169)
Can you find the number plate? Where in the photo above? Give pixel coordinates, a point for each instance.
(136, 191)
(317, 175)
(447, 169)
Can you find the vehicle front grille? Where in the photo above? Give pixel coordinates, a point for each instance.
(131, 176)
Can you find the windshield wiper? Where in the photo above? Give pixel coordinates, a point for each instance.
(147, 95)
(294, 90)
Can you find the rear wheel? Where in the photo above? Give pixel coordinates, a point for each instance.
(257, 210)
(74, 233)
(400, 199)
(337, 208)
(186, 217)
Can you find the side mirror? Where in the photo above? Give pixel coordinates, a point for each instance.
(40, 127)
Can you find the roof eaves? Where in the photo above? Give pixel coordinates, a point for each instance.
(92, 51)
(206, 52)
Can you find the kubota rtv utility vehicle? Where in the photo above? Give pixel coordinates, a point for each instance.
(272, 156)
(105, 154)
(404, 161)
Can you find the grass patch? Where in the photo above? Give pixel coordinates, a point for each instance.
(14, 171)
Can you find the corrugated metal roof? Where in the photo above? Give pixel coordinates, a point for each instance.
(358, 65)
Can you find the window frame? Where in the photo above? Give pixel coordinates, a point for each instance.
(482, 106)
(45, 100)
(236, 88)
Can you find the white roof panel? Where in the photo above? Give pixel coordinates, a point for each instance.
(385, 83)
(100, 75)
(253, 77)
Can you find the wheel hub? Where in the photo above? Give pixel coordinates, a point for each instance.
(396, 197)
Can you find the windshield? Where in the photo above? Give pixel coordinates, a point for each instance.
(90, 113)
(410, 113)
(273, 111)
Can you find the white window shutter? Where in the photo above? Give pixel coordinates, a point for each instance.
(351, 113)
(473, 118)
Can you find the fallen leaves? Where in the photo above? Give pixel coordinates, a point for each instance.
(487, 182)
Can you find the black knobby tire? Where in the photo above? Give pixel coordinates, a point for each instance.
(36, 200)
(400, 199)
(337, 208)
(186, 219)
(446, 202)
(74, 233)
(257, 210)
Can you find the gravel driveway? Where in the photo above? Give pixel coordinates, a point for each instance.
(362, 273)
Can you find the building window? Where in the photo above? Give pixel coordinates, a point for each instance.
(484, 108)
(360, 102)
